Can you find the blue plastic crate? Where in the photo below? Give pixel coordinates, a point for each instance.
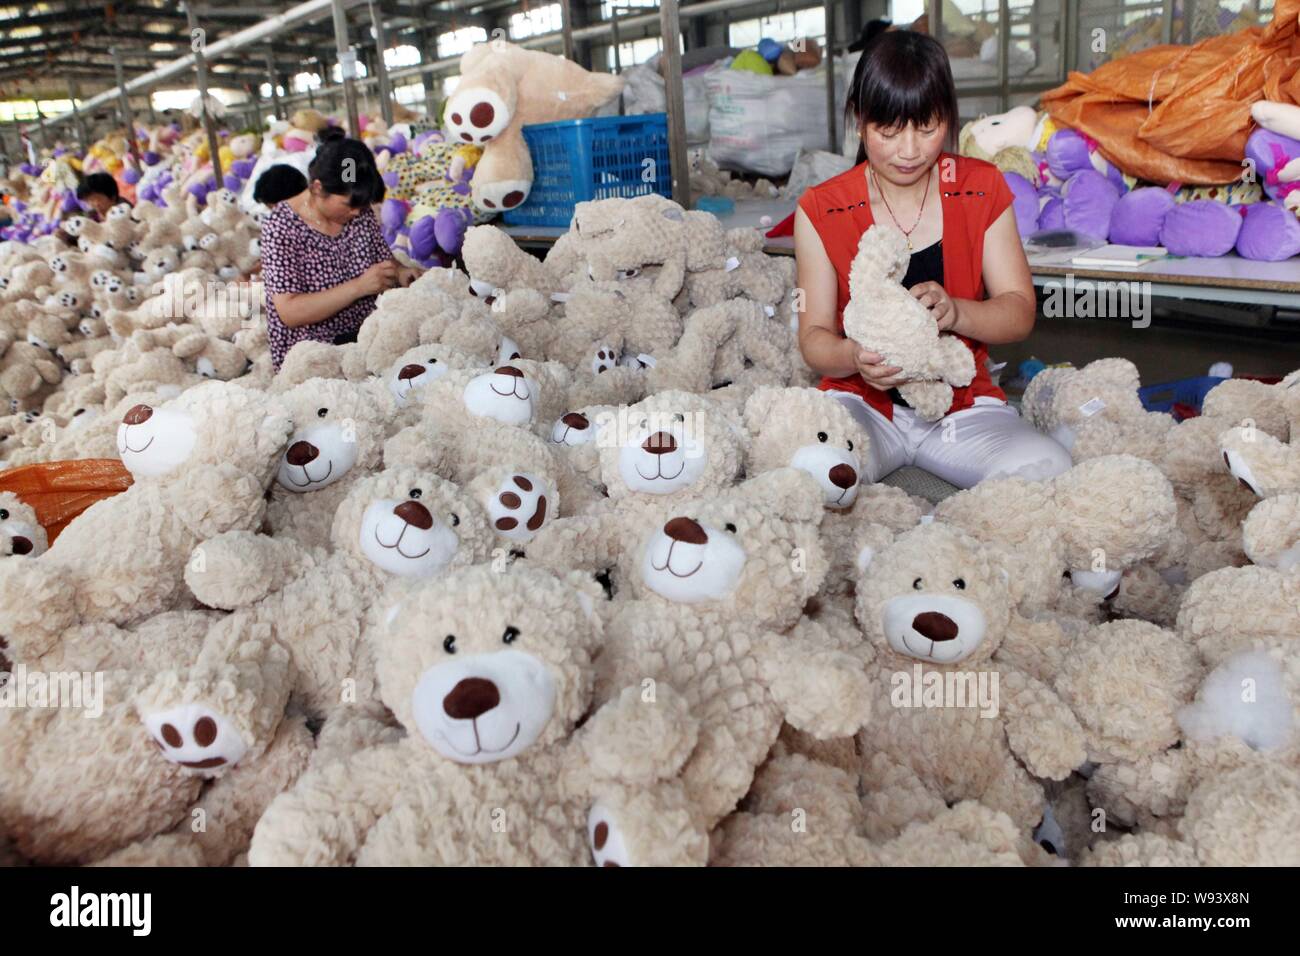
(598, 158)
(1189, 392)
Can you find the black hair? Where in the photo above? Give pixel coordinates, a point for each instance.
(902, 77)
(278, 182)
(97, 184)
(346, 167)
(869, 32)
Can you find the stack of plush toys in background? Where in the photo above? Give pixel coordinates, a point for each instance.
(575, 541)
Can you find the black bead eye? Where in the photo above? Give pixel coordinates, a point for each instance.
(917, 584)
(416, 492)
(449, 643)
(322, 412)
(822, 436)
(455, 519)
(4, 514)
(960, 584)
(679, 417)
(433, 361)
(850, 444)
(509, 636)
(645, 423)
(730, 527)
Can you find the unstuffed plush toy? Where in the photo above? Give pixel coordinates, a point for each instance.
(882, 316)
(504, 88)
(201, 466)
(934, 606)
(515, 649)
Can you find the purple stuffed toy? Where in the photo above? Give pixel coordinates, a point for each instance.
(1269, 232)
(1089, 198)
(1138, 216)
(1024, 202)
(1201, 227)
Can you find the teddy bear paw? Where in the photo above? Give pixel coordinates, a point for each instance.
(519, 507)
(476, 115)
(608, 844)
(196, 737)
(501, 194)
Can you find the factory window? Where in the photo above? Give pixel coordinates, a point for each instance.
(606, 5)
(399, 56)
(336, 71)
(303, 82)
(633, 52)
(537, 20)
(458, 41)
(809, 23)
(411, 94)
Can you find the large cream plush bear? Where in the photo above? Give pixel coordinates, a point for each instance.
(504, 88)
(934, 606)
(1260, 461)
(201, 466)
(1095, 410)
(490, 673)
(170, 760)
(883, 317)
(716, 589)
(338, 439)
(401, 524)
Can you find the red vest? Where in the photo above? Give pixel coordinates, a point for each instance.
(973, 198)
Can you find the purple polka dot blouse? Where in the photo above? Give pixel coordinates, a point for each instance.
(298, 258)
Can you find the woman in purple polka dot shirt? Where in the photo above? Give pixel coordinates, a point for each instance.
(324, 258)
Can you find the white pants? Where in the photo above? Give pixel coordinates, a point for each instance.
(987, 440)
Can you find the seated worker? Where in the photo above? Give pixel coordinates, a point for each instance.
(99, 191)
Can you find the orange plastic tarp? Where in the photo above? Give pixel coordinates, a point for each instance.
(61, 490)
(1182, 113)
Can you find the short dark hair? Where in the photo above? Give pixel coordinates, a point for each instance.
(278, 182)
(903, 77)
(97, 184)
(346, 167)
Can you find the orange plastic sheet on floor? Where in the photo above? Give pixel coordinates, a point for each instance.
(61, 490)
(1182, 113)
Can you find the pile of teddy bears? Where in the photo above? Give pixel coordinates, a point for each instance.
(566, 562)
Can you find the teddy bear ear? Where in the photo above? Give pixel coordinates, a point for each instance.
(759, 407)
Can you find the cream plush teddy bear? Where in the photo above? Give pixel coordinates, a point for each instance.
(403, 524)
(934, 607)
(883, 317)
(187, 727)
(338, 438)
(201, 466)
(1262, 462)
(21, 535)
(493, 770)
(503, 88)
(707, 604)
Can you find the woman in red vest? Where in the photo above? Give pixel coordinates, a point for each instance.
(967, 267)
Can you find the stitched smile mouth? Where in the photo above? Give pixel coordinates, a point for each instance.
(481, 749)
(203, 764)
(668, 564)
(908, 644)
(310, 480)
(397, 545)
(660, 468)
(126, 447)
(510, 394)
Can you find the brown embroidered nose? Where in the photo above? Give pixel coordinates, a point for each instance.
(686, 530)
(844, 476)
(414, 513)
(935, 626)
(301, 453)
(576, 420)
(137, 415)
(409, 372)
(21, 545)
(509, 370)
(660, 443)
(471, 698)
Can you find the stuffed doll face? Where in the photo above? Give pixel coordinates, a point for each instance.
(155, 441)
(688, 562)
(414, 370)
(500, 667)
(807, 429)
(661, 454)
(20, 534)
(504, 394)
(573, 429)
(337, 424)
(318, 455)
(935, 596)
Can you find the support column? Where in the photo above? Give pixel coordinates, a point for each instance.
(77, 120)
(275, 93)
(670, 29)
(832, 102)
(201, 69)
(385, 91)
(347, 67)
(125, 101)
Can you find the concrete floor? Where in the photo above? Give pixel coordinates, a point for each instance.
(1168, 350)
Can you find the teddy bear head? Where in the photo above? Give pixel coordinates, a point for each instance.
(882, 256)
(750, 552)
(338, 426)
(160, 263)
(421, 366)
(519, 393)
(617, 235)
(936, 595)
(48, 331)
(1126, 681)
(672, 442)
(808, 429)
(212, 357)
(215, 423)
(485, 666)
(1271, 533)
(21, 535)
(410, 523)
